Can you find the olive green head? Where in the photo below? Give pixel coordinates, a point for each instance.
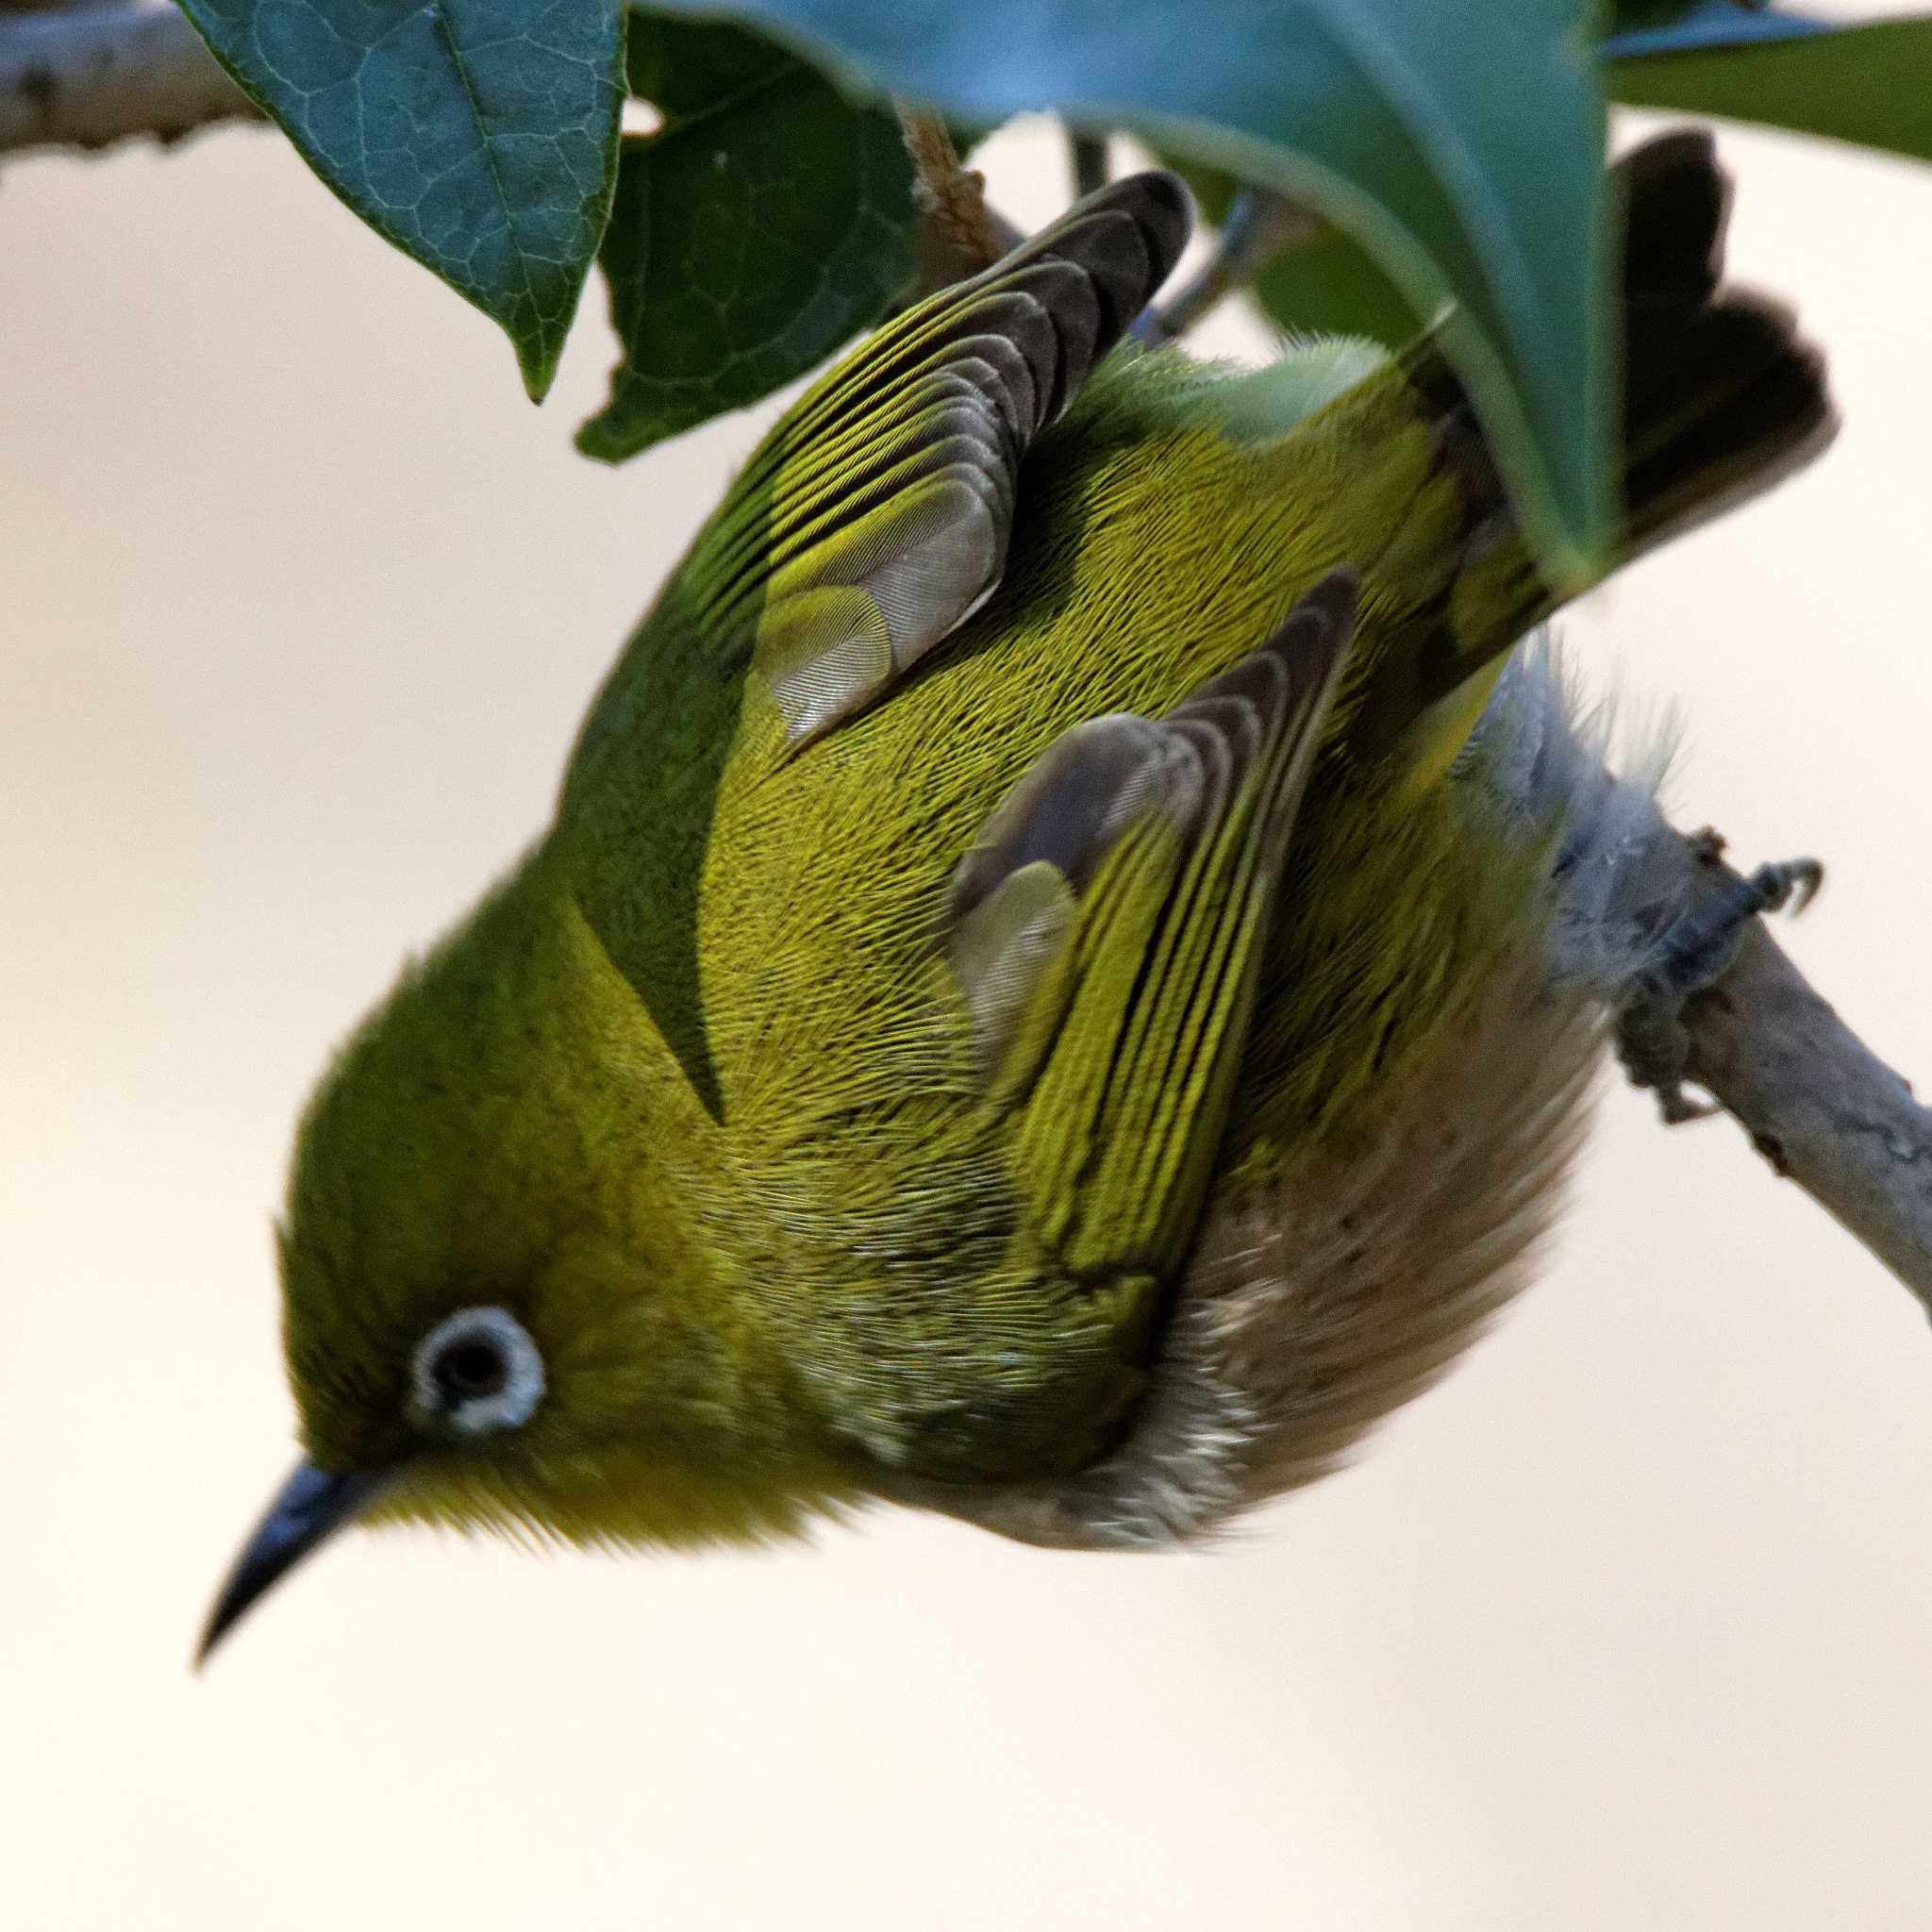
(493, 1313)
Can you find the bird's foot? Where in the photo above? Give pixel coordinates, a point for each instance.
(1692, 953)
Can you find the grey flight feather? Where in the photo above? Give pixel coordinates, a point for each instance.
(874, 519)
(1015, 895)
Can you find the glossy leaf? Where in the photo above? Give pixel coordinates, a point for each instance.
(480, 135)
(1871, 84)
(764, 223)
(1460, 140)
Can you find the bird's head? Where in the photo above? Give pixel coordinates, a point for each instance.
(496, 1313)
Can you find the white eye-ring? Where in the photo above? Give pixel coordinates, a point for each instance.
(477, 1372)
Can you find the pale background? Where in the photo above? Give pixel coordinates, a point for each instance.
(1625, 1626)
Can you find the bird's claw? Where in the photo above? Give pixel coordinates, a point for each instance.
(1791, 883)
(1692, 954)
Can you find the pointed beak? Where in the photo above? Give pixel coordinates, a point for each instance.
(308, 1507)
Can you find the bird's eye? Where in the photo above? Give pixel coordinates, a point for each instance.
(477, 1372)
(472, 1365)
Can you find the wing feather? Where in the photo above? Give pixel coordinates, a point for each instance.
(1105, 931)
(874, 520)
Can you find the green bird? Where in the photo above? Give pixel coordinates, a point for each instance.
(1062, 979)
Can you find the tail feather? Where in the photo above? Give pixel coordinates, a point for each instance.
(1720, 395)
(1677, 205)
(1721, 398)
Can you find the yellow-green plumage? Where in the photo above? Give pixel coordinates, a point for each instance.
(1089, 1163)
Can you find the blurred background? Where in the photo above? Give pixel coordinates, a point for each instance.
(300, 602)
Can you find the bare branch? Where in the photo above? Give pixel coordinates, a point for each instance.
(84, 76)
(1818, 1104)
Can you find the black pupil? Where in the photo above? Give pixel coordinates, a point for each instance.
(472, 1367)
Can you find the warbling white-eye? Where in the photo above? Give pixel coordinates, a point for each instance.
(1039, 998)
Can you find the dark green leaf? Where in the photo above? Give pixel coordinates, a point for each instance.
(1321, 283)
(1461, 141)
(765, 221)
(1866, 84)
(1326, 284)
(480, 135)
(683, 67)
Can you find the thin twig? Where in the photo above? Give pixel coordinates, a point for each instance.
(1087, 153)
(84, 76)
(950, 195)
(1823, 1109)
(1260, 224)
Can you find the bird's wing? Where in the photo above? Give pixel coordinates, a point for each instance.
(1106, 932)
(874, 520)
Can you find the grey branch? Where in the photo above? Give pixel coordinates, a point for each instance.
(84, 76)
(1817, 1103)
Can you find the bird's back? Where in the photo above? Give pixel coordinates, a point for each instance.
(869, 1200)
(1154, 548)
